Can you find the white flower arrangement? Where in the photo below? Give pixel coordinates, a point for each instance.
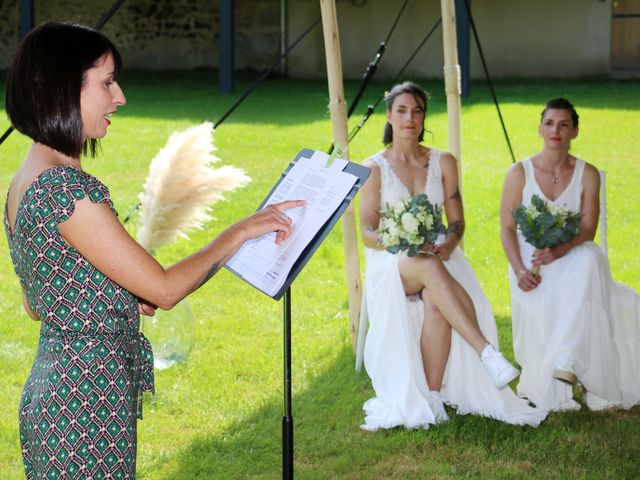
(409, 224)
(545, 225)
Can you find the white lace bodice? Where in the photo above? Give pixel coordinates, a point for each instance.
(392, 190)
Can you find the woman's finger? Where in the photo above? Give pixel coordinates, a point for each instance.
(442, 253)
(287, 204)
(281, 236)
(145, 309)
(285, 217)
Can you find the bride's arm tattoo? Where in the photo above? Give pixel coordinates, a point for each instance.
(456, 228)
(456, 195)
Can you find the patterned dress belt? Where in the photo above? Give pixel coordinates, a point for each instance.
(137, 349)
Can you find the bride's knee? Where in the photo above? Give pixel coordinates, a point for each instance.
(434, 270)
(422, 272)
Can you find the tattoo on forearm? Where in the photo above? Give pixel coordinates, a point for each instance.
(212, 271)
(456, 228)
(456, 195)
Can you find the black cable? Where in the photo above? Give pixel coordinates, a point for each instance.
(395, 23)
(266, 73)
(486, 72)
(101, 23)
(371, 108)
(366, 79)
(417, 50)
(363, 120)
(6, 135)
(373, 65)
(107, 16)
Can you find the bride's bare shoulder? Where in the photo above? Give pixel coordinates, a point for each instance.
(371, 161)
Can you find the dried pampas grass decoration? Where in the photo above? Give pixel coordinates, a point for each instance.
(181, 186)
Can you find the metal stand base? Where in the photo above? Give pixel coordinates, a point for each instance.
(287, 419)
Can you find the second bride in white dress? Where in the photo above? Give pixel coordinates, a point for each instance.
(432, 337)
(571, 322)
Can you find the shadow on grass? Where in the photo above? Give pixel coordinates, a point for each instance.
(283, 101)
(329, 444)
(503, 322)
(193, 94)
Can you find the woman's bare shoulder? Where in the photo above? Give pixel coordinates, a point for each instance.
(371, 161)
(515, 171)
(591, 175)
(446, 160)
(590, 169)
(444, 156)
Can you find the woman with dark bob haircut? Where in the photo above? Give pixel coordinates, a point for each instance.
(81, 273)
(432, 338)
(43, 90)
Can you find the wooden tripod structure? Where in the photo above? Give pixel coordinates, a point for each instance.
(338, 111)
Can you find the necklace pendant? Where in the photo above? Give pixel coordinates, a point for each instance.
(555, 179)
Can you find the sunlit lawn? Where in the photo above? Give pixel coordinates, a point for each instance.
(219, 414)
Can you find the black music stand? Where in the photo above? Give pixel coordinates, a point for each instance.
(362, 173)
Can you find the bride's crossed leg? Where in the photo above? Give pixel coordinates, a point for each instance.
(428, 272)
(443, 292)
(435, 342)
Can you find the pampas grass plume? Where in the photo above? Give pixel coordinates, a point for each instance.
(181, 187)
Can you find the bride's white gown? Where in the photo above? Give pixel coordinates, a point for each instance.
(577, 315)
(392, 355)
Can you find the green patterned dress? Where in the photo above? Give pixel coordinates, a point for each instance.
(81, 401)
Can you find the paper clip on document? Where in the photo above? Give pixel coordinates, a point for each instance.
(337, 153)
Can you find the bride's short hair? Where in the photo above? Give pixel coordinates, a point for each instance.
(561, 104)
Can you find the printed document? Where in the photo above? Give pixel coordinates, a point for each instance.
(262, 262)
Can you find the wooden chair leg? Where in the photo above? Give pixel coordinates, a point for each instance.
(362, 333)
(603, 212)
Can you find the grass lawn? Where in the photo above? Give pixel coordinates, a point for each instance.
(218, 415)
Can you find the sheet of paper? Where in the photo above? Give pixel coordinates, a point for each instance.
(261, 261)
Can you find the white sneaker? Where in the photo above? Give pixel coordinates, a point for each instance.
(438, 407)
(500, 370)
(569, 406)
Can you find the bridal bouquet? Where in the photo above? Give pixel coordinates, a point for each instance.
(409, 224)
(544, 226)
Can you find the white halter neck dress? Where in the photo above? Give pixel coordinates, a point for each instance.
(577, 315)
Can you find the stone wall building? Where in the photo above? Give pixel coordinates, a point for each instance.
(161, 34)
(520, 38)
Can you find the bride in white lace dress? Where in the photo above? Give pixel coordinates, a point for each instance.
(571, 322)
(432, 335)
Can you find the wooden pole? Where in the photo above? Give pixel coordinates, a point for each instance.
(452, 80)
(338, 111)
